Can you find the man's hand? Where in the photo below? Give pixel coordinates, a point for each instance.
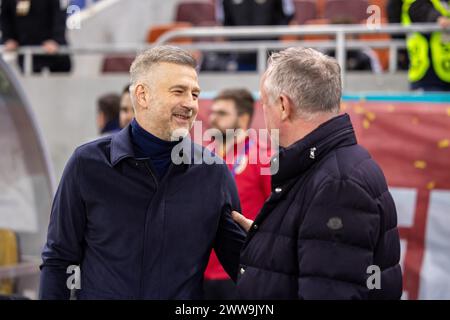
(241, 220)
(50, 46)
(11, 45)
(444, 22)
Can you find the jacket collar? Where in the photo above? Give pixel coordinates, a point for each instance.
(121, 146)
(299, 157)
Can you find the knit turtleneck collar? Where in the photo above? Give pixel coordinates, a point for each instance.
(147, 145)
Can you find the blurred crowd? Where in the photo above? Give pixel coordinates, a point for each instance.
(43, 23)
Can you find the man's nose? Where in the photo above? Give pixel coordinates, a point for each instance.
(191, 104)
(192, 108)
(212, 119)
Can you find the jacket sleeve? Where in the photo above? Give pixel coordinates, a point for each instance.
(230, 236)
(65, 234)
(422, 11)
(59, 15)
(336, 242)
(7, 20)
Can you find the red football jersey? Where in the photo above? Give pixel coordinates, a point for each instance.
(253, 189)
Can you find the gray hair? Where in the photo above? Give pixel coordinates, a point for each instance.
(144, 61)
(309, 78)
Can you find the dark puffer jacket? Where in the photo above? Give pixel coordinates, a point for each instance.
(329, 218)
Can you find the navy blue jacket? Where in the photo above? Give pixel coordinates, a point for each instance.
(329, 218)
(133, 236)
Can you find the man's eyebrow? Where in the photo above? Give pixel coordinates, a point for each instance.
(178, 86)
(183, 87)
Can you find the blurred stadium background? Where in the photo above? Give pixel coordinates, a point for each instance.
(43, 117)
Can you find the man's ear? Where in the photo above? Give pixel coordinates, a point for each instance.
(101, 121)
(142, 96)
(286, 107)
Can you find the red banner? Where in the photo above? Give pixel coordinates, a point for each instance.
(411, 143)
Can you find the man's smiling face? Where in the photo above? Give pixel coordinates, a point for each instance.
(173, 103)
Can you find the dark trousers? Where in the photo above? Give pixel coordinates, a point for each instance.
(55, 63)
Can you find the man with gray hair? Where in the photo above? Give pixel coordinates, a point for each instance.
(139, 225)
(329, 229)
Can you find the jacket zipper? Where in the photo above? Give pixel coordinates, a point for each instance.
(151, 173)
(337, 135)
(141, 284)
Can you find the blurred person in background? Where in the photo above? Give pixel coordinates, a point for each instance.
(126, 108)
(108, 108)
(429, 54)
(139, 224)
(233, 110)
(394, 15)
(361, 59)
(83, 3)
(232, 13)
(36, 23)
(329, 229)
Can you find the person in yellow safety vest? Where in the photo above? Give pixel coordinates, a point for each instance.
(429, 54)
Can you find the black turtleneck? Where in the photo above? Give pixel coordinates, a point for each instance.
(146, 145)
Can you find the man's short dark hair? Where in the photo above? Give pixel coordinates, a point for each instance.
(242, 98)
(159, 54)
(109, 105)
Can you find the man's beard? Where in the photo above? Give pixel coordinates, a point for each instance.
(232, 135)
(227, 134)
(180, 133)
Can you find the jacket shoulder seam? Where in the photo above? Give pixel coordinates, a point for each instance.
(340, 176)
(332, 177)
